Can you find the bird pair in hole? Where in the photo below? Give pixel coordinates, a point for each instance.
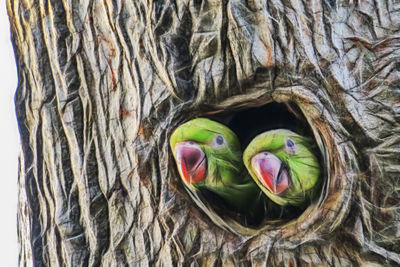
(279, 164)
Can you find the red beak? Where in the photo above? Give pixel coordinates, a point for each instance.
(191, 161)
(269, 171)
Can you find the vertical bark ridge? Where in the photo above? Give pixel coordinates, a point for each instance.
(102, 85)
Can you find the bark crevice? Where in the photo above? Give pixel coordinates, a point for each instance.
(102, 85)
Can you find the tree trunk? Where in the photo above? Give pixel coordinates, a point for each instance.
(102, 85)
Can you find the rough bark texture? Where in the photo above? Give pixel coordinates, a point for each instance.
(102, 84)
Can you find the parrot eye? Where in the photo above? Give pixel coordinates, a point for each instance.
(290, 145)
(219, 140)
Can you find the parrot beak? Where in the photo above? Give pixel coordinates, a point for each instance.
(191, 161)
(270, 172)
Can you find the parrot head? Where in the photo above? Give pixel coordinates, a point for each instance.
(284, 166)
(207, 154)
(208, 157)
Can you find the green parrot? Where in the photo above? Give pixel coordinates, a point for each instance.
(208, 156)
(284, 166)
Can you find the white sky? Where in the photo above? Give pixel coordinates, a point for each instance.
(9, 144)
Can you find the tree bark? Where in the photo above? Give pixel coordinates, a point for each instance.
(102, 85)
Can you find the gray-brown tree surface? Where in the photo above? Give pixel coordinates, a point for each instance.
(102, 85)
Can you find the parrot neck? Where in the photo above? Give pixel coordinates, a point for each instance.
(241, 193)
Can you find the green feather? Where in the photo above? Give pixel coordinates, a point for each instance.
(226, 175)
(302, 164)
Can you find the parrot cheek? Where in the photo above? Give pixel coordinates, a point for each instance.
(191, 161)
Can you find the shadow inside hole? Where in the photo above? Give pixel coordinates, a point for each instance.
(247, 124)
